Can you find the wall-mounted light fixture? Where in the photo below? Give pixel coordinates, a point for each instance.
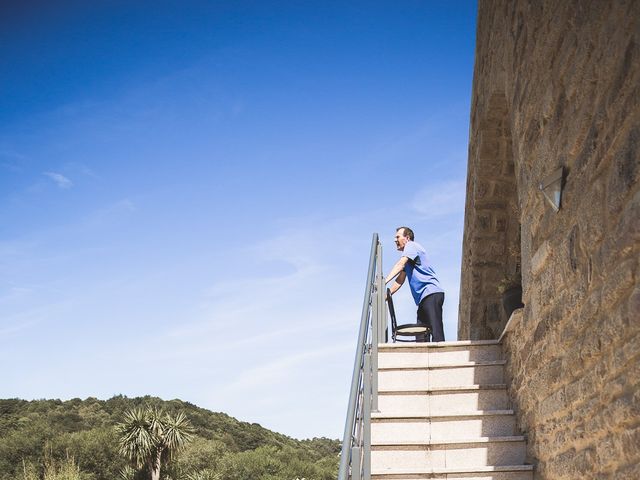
(551, 187)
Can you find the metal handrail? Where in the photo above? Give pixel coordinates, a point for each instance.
(355, 457)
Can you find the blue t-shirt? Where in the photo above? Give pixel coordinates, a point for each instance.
(420, 273)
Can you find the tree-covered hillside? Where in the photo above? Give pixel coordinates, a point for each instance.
(33, 433)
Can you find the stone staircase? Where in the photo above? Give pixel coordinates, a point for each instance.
(444, 413)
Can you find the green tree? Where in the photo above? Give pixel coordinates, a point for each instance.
(200, 456)
(149, 438)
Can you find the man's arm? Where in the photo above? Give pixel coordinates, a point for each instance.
(398, 268)
(398, 283)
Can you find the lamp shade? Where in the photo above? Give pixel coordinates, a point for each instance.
(551, 187)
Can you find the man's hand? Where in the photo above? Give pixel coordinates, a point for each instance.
(398, 283)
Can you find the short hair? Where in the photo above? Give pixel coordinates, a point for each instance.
(407, 232)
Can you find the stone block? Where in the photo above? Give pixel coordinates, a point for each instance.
(616, 331)
(629, 471)
(450, 456)
(627, 444)
(471, 426)
(624, 171)
(483, 189)
(590, 215)
(631, 352)
(591, 347)
(540, 257)
(626, 237)
(553, 405)
(619, 282)
(469, 401)
(606, 452)
(397, 430)
(403, 379)
(622, 411)
(512, 475)
(465, 353)
(584, 462)
(409, 404)
(405, 357)
(633, 302)
(459, 376)
(481, 454)
(562, 465)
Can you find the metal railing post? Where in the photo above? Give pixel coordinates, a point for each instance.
(377, 314)
(373, 356)
(355, 464)
(366, 431)
(380, 297)
(375, 308)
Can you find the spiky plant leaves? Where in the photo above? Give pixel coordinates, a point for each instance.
(149, 437)
(137, 439)
(127, 473)
(177, 433)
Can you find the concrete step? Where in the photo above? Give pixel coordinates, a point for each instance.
(504, 472)
(392, 355)
(441, 376)
(407, 428)
(444, 401)
(464, 453)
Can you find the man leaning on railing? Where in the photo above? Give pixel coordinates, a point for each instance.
(425, 286)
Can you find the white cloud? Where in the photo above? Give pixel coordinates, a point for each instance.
(60, 180)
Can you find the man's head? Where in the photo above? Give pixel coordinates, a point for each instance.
(403, 235)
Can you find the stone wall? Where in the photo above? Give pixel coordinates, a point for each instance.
(557, 84)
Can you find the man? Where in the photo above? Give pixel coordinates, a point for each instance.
(425, 287)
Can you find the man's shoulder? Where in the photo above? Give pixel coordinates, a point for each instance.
(412, 250)
(414, 246)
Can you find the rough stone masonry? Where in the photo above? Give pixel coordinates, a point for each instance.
(557, 84)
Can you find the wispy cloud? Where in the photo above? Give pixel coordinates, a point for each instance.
(282, 368)
(7, 331)
(444, 198)
(60, 180)
(82, 169)
(15, 321)
(110, 213)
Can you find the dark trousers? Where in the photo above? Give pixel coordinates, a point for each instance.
(430, 314)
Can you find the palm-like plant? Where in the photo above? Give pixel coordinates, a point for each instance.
(150, 438)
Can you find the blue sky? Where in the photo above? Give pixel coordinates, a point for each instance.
(189, 191)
